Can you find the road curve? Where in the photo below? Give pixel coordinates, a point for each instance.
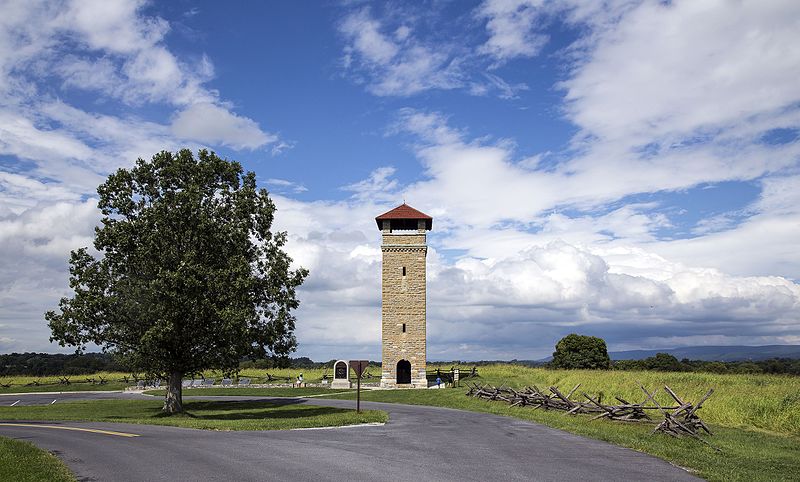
(418, 444)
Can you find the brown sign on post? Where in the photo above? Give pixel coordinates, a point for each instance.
(358, 366)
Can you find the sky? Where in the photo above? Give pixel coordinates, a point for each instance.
(625, 169)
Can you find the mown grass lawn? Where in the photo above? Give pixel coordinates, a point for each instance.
(755, 418)
(211, 415)
(253, 392)
(24, 384)
(22, 461)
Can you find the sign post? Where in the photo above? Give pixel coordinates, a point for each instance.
(358, 366)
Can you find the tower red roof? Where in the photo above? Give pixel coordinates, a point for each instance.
(404, 217)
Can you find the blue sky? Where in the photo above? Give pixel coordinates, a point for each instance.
(627, 169)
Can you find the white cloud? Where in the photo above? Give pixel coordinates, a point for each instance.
(283, 184)
(34, 248)
(543, 252)
(113, 49)
(391, 58)
(511, 27)
(368, 41)
(379, 186)
(399, 67)
(122, 55)
(686, 68)
(524, 295)
(764, 243)
(521, 252)
(114, 25)
(212, 124)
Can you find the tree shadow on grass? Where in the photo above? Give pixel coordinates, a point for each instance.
(252, 410)
(274, 414)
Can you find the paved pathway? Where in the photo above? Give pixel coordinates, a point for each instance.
(417, 444)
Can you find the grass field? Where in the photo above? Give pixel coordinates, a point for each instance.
(766, 402)
(22, 461)
(214, 415)
(23, 384)
(20, 384)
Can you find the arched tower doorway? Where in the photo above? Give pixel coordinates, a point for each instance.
(404, 372)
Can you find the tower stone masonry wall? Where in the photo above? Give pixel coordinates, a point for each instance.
(404, 302)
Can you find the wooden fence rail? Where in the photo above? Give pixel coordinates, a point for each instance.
(679, 420)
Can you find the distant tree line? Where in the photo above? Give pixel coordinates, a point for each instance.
(48, 364)
(283, 362)
(302, 362)
(668, 363)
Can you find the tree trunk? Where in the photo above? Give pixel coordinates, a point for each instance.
(173, 403)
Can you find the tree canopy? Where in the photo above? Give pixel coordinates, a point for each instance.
(580, 351)
(187, 274)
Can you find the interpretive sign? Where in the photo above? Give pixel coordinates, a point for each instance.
(358, 366)
(341, 374)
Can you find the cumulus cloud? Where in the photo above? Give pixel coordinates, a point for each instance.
(526, 274)
(523, 251)
(112, 49)
(211, 124)
(34, 247)
(543, 252)
(518, 300)
(134, 64)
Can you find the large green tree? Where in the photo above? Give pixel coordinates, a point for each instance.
(580, 351)
(188, 275)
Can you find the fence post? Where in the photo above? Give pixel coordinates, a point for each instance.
(455, 377)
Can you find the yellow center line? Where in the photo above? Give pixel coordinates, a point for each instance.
(76, 429)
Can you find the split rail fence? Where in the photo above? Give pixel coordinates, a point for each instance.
(679, 419)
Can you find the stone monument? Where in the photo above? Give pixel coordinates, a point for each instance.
(403, 296)
(341, 374)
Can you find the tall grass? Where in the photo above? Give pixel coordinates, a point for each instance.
(766, 402)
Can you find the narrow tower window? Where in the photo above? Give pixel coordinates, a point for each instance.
(404, 327)
(404, 270)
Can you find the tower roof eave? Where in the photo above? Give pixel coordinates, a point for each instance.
(404, 212)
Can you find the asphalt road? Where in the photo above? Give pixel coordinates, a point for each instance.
(417, 444)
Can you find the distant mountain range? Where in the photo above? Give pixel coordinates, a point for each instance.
(705, 353)
(715, 353)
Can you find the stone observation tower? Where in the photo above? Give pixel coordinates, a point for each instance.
(403, 296)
